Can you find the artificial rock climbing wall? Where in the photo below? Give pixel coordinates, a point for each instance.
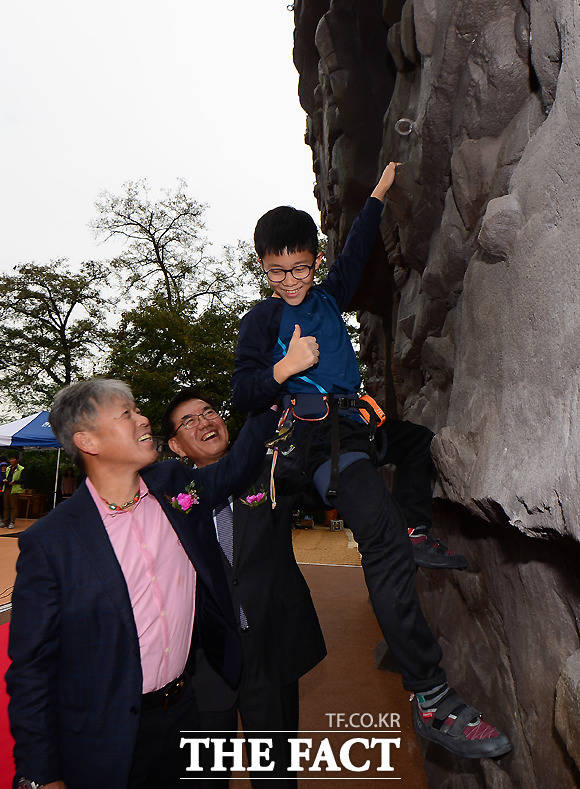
(470, 320)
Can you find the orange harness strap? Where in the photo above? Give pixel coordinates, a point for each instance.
(381, 418)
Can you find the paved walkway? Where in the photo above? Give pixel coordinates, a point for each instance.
(348, 682)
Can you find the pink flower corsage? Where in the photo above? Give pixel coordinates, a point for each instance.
(255, 498)
(185, 502)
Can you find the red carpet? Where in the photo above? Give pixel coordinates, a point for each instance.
(6, 742)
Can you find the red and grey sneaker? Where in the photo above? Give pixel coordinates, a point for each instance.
(458, 727)
(431, 552)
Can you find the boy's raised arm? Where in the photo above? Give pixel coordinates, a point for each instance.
(345, 274)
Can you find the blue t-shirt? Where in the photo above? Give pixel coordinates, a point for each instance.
(337, 369)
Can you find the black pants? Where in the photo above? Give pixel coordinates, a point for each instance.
(379, 527)
(267, 708)
(158, 761)
(408, 447)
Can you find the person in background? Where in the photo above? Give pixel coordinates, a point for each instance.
(3, 467)
(13, 486)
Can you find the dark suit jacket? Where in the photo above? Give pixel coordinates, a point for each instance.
(267, 582)
(75, 681)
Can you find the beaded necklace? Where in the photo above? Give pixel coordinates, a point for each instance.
(121, 507)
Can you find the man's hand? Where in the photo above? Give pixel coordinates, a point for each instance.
(385, 181)
(54, 785)
(302, 354)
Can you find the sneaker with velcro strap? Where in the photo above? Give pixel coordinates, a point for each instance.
(429, 551)
(459, 728)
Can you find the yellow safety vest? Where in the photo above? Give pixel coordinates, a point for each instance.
(15, 488)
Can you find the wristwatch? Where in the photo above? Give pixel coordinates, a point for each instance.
(26, 783)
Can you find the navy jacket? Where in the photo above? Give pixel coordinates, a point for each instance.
(266, 581)
(75, 682)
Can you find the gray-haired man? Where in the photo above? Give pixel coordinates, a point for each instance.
(112, 587)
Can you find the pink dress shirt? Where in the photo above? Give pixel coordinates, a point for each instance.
(161, 583)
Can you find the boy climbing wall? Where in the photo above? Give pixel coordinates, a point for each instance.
(294, 347)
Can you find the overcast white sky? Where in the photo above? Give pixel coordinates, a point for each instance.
(94, 94)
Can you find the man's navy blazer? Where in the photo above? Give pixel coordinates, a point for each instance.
(266, 581)
(75, 682)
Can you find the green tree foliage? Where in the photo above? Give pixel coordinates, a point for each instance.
(40, 470)
(181, 328)
(159, 349)
(53, 329)
(174, 320)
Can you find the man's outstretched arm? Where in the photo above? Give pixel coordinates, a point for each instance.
(236, 471)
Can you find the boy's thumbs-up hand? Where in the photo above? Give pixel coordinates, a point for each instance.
(302, 353)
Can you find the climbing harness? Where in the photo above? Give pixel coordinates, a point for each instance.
(368, 409)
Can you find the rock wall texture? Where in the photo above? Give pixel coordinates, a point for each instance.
(470, 319)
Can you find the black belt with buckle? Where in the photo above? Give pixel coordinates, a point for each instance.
(166, 696)
(311, 404)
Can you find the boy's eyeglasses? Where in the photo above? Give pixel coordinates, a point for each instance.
(192, 419)
(298, 272)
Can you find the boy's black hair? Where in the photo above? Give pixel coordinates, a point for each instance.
(285, 229)
(181, 397)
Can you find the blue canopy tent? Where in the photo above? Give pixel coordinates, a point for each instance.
(31, 431)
